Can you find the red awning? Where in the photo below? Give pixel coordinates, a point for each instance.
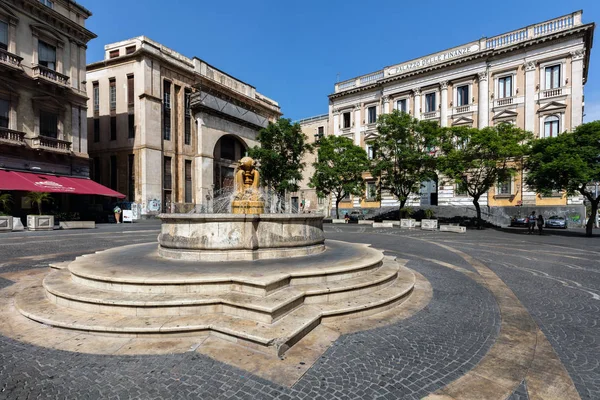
(31, 182)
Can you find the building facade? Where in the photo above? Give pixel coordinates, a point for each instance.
(167, 130)
(532, 77)
(43, 102)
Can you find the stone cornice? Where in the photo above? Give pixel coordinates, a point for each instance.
(586, 29)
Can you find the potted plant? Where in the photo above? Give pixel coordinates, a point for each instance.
(6, 221)
(39, 222)
(406, 221)
(429, 222)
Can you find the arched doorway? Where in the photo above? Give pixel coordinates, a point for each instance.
(429, 192)
(228, 150)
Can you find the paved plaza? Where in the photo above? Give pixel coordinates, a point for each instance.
(486, 286)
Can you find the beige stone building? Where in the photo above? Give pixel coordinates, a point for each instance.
(167, 130)
(532, 77)
(43, 101)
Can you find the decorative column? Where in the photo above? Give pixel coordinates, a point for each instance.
(484, 101)
(357, 110)
(60, 55)
(336, 122)
(12, 35)
(576, 88)
(530, 67)
(444, 104)
(385, 105)
(417, 103)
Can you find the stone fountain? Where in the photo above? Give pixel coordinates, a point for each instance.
(261, 280)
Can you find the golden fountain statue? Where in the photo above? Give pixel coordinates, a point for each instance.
(247, 198)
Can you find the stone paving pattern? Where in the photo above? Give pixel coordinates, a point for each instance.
(407, 360)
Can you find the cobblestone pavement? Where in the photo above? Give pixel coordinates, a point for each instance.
(406, 360)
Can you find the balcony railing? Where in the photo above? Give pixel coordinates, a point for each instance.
(552, 93)
(371, 77)
(49, 143)
(505, 101)
(10, 59)
(462, 109)
(430, 115)
(346, 85)
(10, 136)
(50, 74)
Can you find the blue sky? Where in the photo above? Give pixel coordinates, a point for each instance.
(293, 51)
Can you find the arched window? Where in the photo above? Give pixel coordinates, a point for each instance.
(551, 126)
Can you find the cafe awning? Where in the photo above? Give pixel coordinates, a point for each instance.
(32, 182)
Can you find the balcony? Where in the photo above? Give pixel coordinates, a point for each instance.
(431, 115)
(10, 60)
(50, 75)
(52, 144)
(8, 136)
(462, 109)
(551, 93)
(505, 101)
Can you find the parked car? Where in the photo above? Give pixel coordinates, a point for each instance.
(519, 221)
(355, 216)
(556, 222)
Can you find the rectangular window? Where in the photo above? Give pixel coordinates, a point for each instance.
(48, 124)
(346, 118)
(401, 105)
(47, 55)
(430, 102)
(505, 87)
(129, 49)
(371, 191)
(504, 187)
(113, 172)
(460, 189)
(167, 110)
(113, 128)
(462, 95)
(187, 118)
(167, 125)
(96, 130)
(188, 181)
(47, 3)
(131, 123)
(321, 201)
(131, 177)
(167, 95)
(96, 97)
(321, 131)
(97, 172)
(370, 151)
(113, 54)
(372, 115)
(4, 113)
(112, 85)
(130, 90)
(553, 77)
(167, 183)
(551, 126)
(3, 35)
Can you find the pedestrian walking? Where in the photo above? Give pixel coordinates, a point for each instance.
(531, 223)
(540, 223)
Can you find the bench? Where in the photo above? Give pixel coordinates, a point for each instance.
(453, 228)
(77, 225)
(383, 224)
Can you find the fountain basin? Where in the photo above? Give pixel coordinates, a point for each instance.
(237, 237)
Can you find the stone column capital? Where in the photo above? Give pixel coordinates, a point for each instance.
(530, 66)
(444, 85)
(577, 54)
(385, 99)
(357, 106)
(482, 76)
(416, 91)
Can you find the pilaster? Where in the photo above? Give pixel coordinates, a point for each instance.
(444, 104)
(577, 87)
(357, 110)
(417, 103)
(530, 68)
(484, 101)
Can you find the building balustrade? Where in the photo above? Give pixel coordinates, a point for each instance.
(552, 93)
(50, 74)
(430, 115)
(462, 109)
(506, 101)
(10, 59)
(11, 136)
(49, 143)
(374, 77)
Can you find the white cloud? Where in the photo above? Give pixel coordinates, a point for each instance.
(591, 112)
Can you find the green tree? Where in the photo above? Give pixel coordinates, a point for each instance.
(338, 169)
(569, 162)
(5, 202)
(39, 198)
(477, 159)
(282, 148)
(404, 154)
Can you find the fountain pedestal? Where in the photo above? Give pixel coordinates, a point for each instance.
(247, 206)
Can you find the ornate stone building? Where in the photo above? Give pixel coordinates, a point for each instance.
(43, 102)
(166, 129)
(532, 77)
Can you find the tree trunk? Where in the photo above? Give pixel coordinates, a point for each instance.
(478, 209)
(338, 199)
(39, 204)
(589, 227)
(400, 207)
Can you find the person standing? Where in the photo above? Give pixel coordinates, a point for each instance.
(531, 223)
(540, 223)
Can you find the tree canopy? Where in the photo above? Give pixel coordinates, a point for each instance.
(568, 162)
(339, 168)
(279, 156)
(476, 159)
(404, 154)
